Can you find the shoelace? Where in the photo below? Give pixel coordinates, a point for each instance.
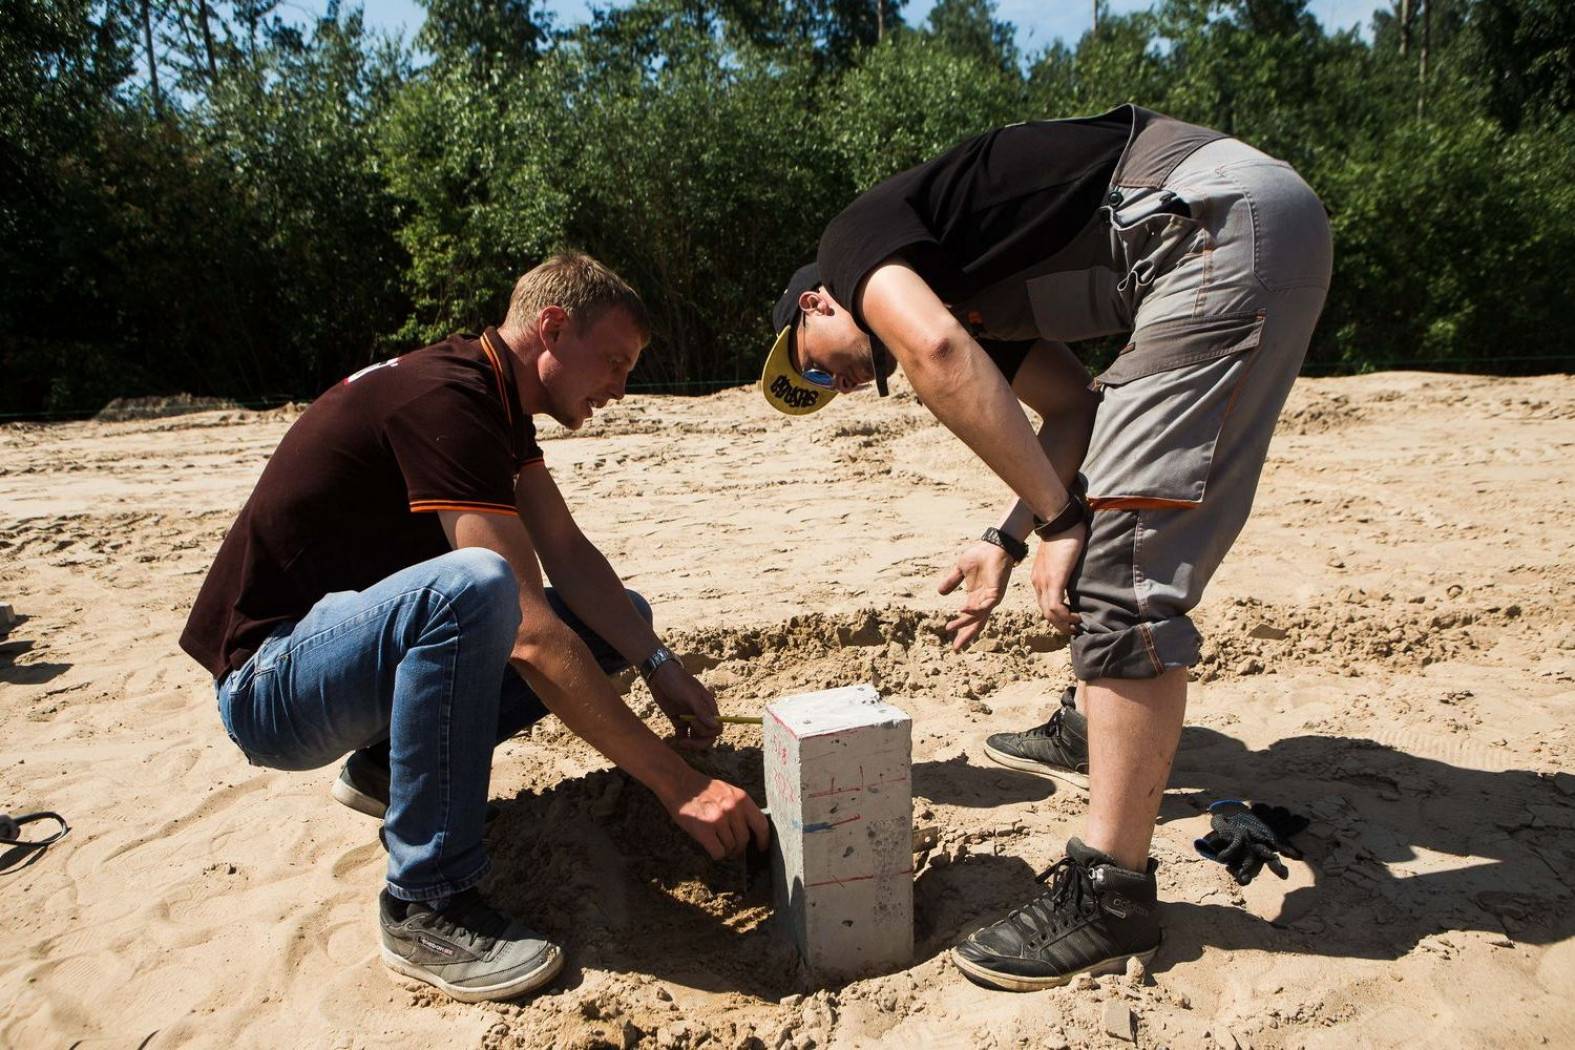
(472, 917)
(1050, 729)
(1070, 896)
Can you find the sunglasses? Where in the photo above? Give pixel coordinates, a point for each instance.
(820, 377)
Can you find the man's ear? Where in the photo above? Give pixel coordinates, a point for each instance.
(814, 300)
(551, 322)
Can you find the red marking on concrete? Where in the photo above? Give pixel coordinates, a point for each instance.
(778, 719)
(851, 790)
(835, 754)
(860, 878)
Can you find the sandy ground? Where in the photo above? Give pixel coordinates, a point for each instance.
(1390, 651)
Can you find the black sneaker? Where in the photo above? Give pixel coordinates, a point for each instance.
(363, 786)
(1094, 917)
(470, 950)
(1057, 749)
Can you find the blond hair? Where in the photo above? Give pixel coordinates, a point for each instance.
(582, 287)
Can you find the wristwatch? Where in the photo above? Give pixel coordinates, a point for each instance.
(1074, 512)
(662, 655)
(1015, 548)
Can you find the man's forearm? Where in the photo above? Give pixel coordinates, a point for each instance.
(1064, 439)
(969, 396)
(560, 669)
(959, 383)
(593, 590)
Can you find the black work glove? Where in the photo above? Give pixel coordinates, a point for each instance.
(1245, 839)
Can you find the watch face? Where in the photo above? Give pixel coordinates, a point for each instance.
(655, 660)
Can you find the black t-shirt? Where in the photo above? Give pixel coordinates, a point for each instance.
(348, 498)
(988, 208)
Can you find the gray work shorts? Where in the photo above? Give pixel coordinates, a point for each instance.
(1221, 302)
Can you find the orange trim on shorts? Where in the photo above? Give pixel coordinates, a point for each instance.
(1140, 503)
(428, 505)
(1148, 643)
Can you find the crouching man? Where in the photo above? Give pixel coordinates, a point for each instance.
(380, 594)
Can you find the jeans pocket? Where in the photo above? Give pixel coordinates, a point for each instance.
(233, 690)
(237, 696)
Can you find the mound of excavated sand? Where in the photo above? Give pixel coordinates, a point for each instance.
(1388, 650)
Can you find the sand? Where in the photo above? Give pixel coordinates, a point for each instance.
(1390, 651)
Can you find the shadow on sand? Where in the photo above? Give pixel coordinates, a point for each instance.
(12, 673)
(1503, 839)
(596, 861)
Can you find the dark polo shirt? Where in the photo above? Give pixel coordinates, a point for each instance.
(349, 496)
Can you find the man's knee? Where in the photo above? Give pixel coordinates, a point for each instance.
(641, 606)
(482, 584)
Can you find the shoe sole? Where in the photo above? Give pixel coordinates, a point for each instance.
(528, 982)
(358, 800)
(1012, 982)
(1028, 765)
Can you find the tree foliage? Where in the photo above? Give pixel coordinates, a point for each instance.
(213, 196)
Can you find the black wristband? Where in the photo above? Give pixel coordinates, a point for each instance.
(1015, 549)
(662, 655)
(1074, 512)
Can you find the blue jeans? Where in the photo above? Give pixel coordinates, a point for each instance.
(416, 664)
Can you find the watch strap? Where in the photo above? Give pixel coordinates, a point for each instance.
(1015, 549)
(1073, 513)
(661, 656)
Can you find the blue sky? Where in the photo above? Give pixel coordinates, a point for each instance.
(1038, 21)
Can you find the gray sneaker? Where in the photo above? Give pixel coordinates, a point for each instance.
(363, 786)
(1058, 749)
(470, 950)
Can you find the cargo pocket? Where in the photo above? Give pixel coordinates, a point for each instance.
(1164, 401)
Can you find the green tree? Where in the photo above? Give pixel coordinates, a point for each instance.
(480, 168)
(483, 34)
(61, 65)
(705, 183)
(969, 29)
(912, 98)
(1525, 50)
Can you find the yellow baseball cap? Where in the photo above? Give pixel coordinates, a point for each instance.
(788, 391)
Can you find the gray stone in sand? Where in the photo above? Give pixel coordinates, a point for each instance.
(1119, 1021)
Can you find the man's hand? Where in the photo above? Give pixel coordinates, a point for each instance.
(718, 816)
(1053, 566)
(679, 693)
(984, 571)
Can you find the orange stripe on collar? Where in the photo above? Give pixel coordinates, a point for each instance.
(497, 374)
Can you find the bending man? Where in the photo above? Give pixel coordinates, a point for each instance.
(972, 272)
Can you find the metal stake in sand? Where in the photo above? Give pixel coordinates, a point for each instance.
(839, 787)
